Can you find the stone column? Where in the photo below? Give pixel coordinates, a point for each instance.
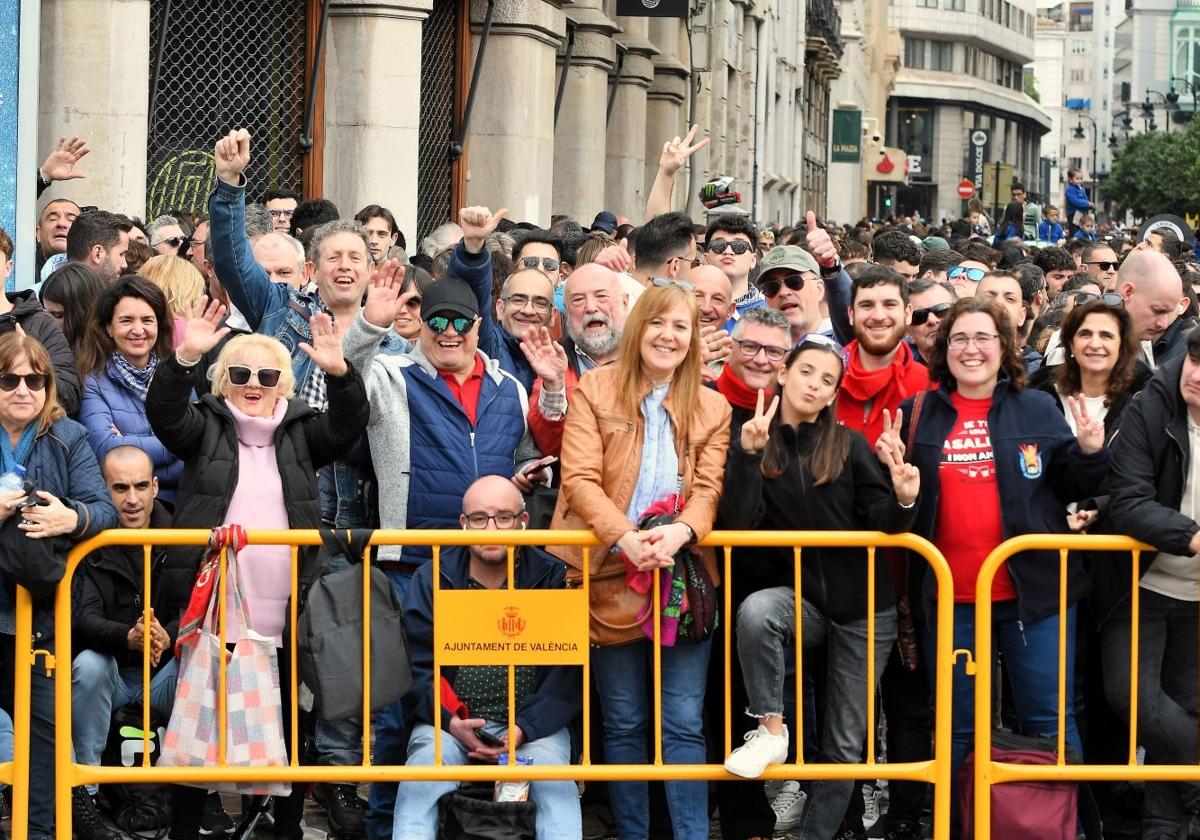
(510, 144)
(625, 152)
(666, 102)
(373, 106)
(579, 134)
(95, 82)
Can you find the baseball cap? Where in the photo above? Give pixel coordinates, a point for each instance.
(787, 257)
(450, 294)
(604, 221)
(935, 243)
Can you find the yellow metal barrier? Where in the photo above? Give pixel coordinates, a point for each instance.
(489, 614)
(989, 772)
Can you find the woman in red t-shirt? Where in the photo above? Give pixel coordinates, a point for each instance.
(996, 461)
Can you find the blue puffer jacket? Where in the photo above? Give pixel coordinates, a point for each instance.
(1040, 469)
(109, 404)
(63, 464)
(425, 451)
(494, 340)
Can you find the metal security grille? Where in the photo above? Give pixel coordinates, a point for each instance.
(217, 65)
(439, 61)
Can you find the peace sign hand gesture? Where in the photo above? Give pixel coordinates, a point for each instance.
(1089, 431)
(757, 429)
(676, 152)
(906, 478)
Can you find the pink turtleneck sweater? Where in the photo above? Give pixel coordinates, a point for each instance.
(257, 503)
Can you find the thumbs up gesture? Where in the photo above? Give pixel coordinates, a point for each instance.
(819, 242)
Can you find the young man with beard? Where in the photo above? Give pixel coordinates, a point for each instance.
(881, 371)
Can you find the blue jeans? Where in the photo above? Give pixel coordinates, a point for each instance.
(1030, 653)
(558, 814)
(389, 747)
(621, 674)
(97, 687)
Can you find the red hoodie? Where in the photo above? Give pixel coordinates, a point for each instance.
(866, 393)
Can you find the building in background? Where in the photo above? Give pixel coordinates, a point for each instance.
(961, 88)
(1049, 72)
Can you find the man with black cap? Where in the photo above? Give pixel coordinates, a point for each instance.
(442, 416)
(605, 222)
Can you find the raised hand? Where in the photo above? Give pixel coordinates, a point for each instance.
(615, 258)
(231, 156)
(889, 438)
(906, 478)
(60, 164)
(718, 344)
(547, 358)
(478, 223)
(384, 301)
(203, 331)
(676, 152)
(1089, 431)
(757, 430)
(819, 242)
(326, 347)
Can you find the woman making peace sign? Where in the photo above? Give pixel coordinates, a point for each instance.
(797, 469)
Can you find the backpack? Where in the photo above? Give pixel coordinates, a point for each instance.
(470, 813)
(329, 635)
(1033, 810)
(142, 810)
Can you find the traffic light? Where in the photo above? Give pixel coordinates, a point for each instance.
(886, 195)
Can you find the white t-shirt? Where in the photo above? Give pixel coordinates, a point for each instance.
(1095, 408)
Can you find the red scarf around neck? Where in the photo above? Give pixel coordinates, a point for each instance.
(736, 391)
(886, 387)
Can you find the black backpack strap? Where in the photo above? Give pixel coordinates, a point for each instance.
(350, 542)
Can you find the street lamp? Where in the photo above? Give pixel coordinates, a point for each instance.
(1191, 87)
(1170, 103)
(1078, 134)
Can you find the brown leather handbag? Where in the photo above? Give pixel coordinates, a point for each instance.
(613, 606)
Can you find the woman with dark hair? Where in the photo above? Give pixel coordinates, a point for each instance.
(799, 469)
(129, 333)
(68, 295)
(1011, 225)
(998, 460)
(1102, 364)
(644, 436)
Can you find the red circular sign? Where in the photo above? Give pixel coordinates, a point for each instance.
(966, 189)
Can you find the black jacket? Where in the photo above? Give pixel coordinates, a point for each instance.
(1039, 470)
(556, 699)
(107, 597)
(40, 324)
(834, 580)
(204, 435)
(1172, 344)
(1149, 467)
(1043, 380)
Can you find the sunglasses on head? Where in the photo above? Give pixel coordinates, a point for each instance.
(667, 281)
(816, 341)
(718, 246)
(33, 381)
(548, 263)
(240, 375)
(1111, 298)
(972, 274)
(920, 316)
(773, 285)
(1105, 265)
(440, 323)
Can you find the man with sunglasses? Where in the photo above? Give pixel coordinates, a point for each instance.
(1100, 261)
(731, 244)
(791, 283)
(966, 276)
(542, 251)
(166, 236)
(930, 302)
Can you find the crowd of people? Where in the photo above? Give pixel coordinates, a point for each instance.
(279, 365)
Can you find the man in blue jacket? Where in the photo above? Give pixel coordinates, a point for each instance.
(548, 698)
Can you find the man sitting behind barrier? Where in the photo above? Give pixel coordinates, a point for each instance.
(548, 698)
(251, 450)
(108, 633)
(1154, 499)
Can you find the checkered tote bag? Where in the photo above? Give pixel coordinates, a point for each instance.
(254, 714)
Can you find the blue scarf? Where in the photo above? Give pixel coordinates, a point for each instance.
(9, 457)
(135, 379)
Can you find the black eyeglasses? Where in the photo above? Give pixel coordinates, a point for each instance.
(280, 214)
(1111, 298)
(920, 316)
(440, 323)
(518, 301)
(1105, 265)
(173, 241)
(772, 286)
(548, 263)
(504, 519)
(33, 381)
(667, 281)
(738, 246)
(240, 375)
(750, 349)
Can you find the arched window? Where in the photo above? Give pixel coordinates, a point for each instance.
(1186, 54)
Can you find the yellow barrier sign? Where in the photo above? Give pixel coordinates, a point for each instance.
(511, 627)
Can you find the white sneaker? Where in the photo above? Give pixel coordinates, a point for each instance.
(789, 806)
(761, 748)
(871, 805)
